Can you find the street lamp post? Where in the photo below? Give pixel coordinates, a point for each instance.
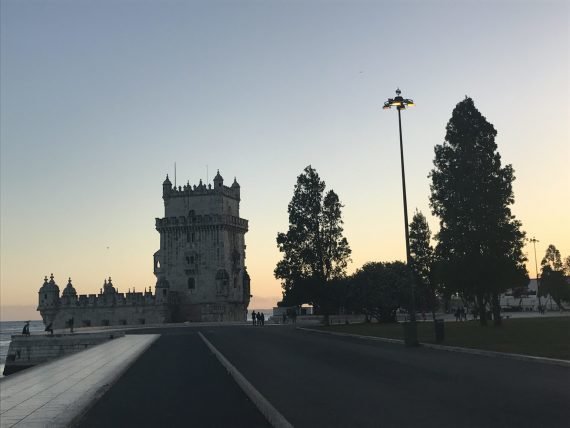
(534, 241)
(401, 103)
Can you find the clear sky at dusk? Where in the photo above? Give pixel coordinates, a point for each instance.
(100, 98)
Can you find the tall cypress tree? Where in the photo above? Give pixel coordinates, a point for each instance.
(314, 248)
(480, 241)
(423, 261)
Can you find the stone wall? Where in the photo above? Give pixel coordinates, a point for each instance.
(28, 351)
(92, 316)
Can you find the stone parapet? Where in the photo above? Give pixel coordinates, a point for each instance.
(167, 223)
(28, 351)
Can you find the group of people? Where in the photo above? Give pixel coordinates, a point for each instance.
(258, 318)
(460, 314)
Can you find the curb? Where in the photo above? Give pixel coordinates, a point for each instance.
(276, 419)
(356, 336)
(520, 357)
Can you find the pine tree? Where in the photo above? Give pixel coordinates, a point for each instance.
(314, 249)
(480, 242)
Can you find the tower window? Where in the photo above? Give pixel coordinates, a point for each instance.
(191, 283)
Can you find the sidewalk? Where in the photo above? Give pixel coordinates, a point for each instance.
(56, 393)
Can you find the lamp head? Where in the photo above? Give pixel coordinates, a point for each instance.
(398, 102)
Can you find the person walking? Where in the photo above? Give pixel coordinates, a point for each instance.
(253, 317)
(262, 319)
(49, 328)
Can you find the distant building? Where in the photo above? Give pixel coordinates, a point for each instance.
(200, 268)
(527, 299)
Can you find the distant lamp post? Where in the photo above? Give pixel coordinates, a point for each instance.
(411, 336)
(534, 241)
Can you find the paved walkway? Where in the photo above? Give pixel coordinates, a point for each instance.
(56, 393)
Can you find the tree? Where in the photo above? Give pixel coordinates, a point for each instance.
(553, 280)
(567, 266)
(480, 242)
(379, 289)
(315, 252)
(423, 261)
(552, 259)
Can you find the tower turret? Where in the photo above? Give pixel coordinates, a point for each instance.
(236, 188)
(218, 181)
(69, 295)
(48, 300)
(166, 187)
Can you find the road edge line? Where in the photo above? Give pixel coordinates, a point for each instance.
(474, 351)
(276, 419)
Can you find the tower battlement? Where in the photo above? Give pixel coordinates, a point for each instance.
(218, 188)
(201, 190)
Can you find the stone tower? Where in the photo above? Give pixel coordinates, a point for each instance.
(200, 266)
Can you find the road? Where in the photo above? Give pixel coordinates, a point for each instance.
(318, 380)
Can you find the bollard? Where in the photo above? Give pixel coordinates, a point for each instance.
(439, 330)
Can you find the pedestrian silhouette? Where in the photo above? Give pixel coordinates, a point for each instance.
(262, 318)
(253, 317)
(26, 329)
(49, 328)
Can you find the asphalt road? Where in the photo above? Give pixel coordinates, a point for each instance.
(177, 382)
(329, 381)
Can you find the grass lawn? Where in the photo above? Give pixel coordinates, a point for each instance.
(543, 337)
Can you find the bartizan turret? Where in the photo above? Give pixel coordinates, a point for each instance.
(48, 300)
(166, 188)
(69, 295)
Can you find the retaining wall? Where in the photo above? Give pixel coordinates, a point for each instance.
(28, 351)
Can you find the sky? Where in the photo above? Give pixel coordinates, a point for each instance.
(99, 99)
